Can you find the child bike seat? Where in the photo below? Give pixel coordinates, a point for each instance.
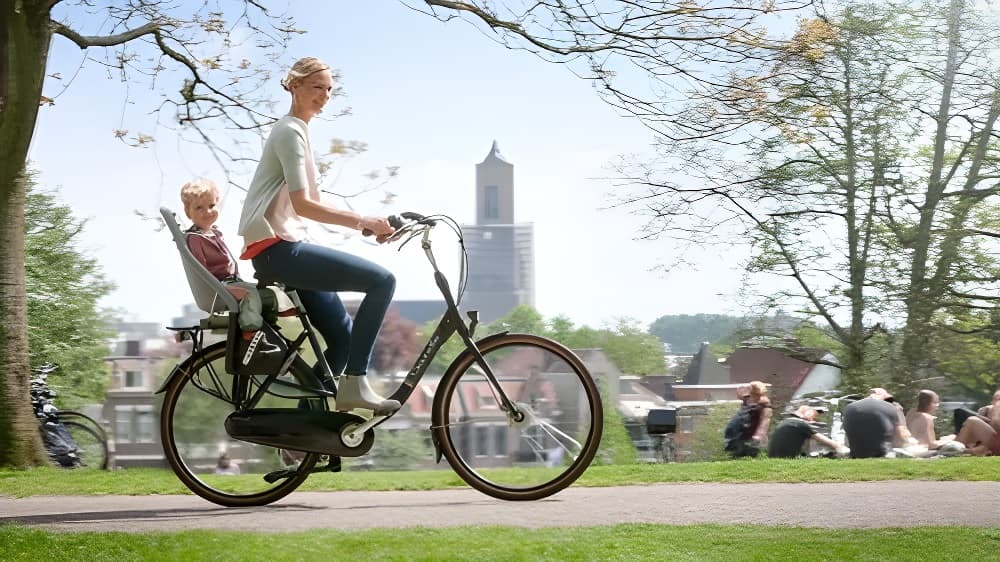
(209, 293)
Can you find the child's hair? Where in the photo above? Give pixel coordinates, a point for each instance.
(302, 68)
(195, 189)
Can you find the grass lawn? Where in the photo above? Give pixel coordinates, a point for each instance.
(52, 481)
(618, 542)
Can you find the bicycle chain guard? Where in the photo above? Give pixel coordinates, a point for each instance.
(312, 431)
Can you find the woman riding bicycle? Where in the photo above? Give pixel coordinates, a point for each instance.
(282, 193)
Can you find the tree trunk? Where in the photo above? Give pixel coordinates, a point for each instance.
(24, 45)
(920, 303)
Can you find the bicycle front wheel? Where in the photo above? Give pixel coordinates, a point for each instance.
(91, 447)
(192, 428)
(542, 446)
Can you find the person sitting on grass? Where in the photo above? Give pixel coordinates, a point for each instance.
(873, 424)
(793, 432)
(920, 421)
(982, 438)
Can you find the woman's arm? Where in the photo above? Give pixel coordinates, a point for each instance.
(321, 212)
(765, 421)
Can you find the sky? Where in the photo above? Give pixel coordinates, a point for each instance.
(426, 96)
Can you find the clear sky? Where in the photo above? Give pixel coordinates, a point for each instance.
(425, 96)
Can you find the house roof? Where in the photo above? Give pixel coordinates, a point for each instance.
(706, 369)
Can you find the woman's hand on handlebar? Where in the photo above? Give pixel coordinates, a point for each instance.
(377, 226)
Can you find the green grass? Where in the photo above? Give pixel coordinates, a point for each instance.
(52, 481)
(619, 542)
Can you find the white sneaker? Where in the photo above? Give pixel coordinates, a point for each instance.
(355, 393)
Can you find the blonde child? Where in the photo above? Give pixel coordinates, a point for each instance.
(201, 205)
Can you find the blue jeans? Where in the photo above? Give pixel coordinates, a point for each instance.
(317, 273)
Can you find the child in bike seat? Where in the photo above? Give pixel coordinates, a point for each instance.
(204, 239)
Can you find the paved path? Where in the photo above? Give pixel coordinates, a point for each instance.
(841, 505)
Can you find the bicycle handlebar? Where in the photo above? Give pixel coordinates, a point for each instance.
(398, 221)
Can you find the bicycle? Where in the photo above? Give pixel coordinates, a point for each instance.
(72, 439)
(517, 416)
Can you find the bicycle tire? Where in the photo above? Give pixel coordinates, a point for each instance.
(201, 483)
(91, 448)
(546, 380)
(80, 417)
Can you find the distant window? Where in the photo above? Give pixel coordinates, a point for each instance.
(500, 448)
(482, 440)
(133, 379)
(132, 348)
(144, 424)
(491, 202)
(123, 424)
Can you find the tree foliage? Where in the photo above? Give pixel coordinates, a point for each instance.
(64, 286)
(628, 346)
(397, 345)
(856, 153)
(686, 332)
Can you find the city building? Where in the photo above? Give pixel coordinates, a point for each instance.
(138, 354)
(501, 251)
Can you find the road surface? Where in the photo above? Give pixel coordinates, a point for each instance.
(832, 505)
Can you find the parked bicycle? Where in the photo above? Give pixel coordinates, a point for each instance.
(72, 439)
(517, 416)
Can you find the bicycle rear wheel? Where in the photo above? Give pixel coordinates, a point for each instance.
(192, 428)
(91, 447)
(82, 419)
(536, 451)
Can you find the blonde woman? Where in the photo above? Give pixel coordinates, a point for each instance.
(747, 429)
(282, 196)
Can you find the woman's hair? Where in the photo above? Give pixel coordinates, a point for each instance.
(196, 188)
(757, 389)
(924, 400)
(302, 68)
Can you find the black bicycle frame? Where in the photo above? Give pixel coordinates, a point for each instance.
(450, 323)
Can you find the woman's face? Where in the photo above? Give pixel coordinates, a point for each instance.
(312, 92)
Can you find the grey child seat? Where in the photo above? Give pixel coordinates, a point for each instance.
(209, 293)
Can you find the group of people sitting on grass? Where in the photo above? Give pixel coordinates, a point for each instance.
(875, 426)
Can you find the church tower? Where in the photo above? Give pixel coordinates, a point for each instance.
(501, 252)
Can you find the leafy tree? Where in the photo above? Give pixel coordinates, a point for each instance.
(968, 352)
(65, 323)
(616, 443)
(870, 133)
(397, 345)
(402, 449)
(184, 44)
(630, 348)
(705, 442)
(633, 350)
(686, 332)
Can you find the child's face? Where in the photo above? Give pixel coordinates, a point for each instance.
(204, 210)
